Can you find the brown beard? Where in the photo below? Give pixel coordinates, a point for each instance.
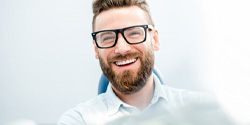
(129, 82)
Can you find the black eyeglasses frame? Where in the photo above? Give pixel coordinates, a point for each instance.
(117, 31)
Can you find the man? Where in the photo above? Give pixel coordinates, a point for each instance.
(125, 39)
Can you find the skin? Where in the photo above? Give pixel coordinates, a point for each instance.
(120, 18)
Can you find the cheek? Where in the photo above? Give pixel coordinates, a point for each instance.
(144, 47)
(103, 54)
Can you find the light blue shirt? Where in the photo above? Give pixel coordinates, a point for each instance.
(107, 107)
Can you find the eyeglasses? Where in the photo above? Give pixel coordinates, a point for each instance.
(132, 35)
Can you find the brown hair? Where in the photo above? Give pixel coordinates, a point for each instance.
(103, 5)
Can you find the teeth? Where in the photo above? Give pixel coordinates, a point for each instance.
(119, 63)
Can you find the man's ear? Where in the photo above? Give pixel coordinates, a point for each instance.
(155, 40)
(96, 50)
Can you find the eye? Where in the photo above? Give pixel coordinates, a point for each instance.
(134, 34)
(108, 38)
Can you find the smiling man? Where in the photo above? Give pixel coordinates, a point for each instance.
(125, 39)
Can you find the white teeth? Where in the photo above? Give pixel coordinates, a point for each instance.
(120, 63)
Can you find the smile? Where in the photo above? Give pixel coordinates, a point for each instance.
(125, 62)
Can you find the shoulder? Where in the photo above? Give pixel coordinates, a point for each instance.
(84, 112)
(183, 96)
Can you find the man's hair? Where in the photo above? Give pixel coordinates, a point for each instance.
(102, 5)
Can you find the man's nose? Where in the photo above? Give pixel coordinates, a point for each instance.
(122, 47)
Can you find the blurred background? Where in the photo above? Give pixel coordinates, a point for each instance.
(47, 62)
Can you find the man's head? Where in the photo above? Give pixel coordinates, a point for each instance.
(125, 41)
(102, 5)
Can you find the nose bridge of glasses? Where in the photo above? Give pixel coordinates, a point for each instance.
(120, 34)
(122, 46)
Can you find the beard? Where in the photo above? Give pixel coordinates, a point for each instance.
(129, 82)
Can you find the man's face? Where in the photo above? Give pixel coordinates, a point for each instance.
(128, 67)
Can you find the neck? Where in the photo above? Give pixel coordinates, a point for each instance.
(140, 99)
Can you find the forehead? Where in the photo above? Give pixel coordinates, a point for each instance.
(120, 17)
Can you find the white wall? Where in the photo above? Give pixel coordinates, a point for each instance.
(227, 40)
(47, 62)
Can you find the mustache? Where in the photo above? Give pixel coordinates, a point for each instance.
(123, 56)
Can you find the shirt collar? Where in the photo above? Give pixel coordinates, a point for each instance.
(159, 91)
(114, 103)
